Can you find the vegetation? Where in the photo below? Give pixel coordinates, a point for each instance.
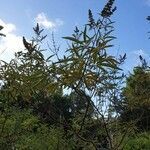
(99, 112)
(137, 103)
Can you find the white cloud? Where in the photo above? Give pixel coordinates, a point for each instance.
(59, 22)
(42, 19)
(11, 43)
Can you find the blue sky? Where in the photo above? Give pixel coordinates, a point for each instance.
(19, 16)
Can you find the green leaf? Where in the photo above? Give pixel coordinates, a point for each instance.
(50, 57)
(73, 40)
(84, 34)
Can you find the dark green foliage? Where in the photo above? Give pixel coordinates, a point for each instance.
(140, 115)
(21, 130)
(54, 110)
(138, 86)
(138, 142)
(137, 102)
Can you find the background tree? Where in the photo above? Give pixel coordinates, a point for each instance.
(137, 94)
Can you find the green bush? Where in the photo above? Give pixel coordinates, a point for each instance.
(19, 129)
(140, 142)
